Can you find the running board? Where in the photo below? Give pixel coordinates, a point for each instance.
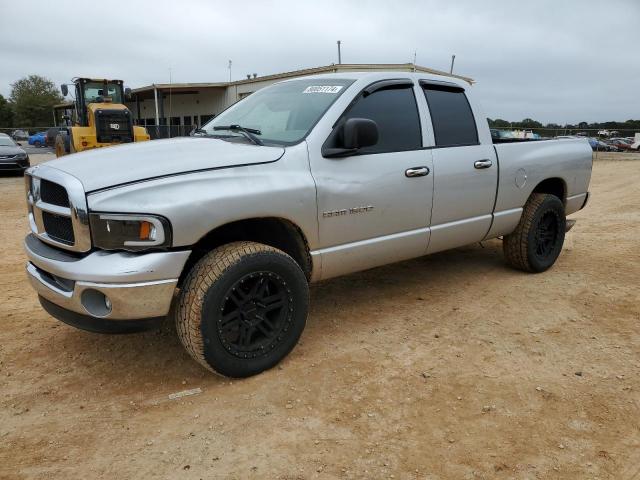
(569, 225)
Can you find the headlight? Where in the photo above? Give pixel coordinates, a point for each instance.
(114, 231)
(21, 156)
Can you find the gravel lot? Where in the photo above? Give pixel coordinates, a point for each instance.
(448, 366)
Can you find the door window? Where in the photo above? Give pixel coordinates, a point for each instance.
(451, 116)
(396, 113)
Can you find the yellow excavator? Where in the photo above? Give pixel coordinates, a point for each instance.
(97, 118)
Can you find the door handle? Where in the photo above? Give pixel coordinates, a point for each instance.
(482, 163)
(416, 172)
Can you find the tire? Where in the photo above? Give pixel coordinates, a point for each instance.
(242, 308)
(537, 241)
(37, 143)
(60, 147)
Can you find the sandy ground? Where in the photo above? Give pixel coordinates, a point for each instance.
(447, 367)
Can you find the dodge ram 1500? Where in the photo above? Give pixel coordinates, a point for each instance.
(304, 180)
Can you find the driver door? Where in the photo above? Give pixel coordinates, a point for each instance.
(374, 207)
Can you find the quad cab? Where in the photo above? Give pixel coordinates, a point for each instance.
(302, 181)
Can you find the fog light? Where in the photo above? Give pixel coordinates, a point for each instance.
(95, 303)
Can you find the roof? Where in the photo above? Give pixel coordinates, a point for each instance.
(351, 67)
(180, 86)
(69, 104)
(333, 68)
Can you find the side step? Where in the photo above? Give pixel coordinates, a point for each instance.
(570, 224)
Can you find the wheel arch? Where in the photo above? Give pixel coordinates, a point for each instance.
(276, 232)
(553, 186)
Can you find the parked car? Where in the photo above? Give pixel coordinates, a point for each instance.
(599, 146)
(303, 180)
(619, 144)
(38, 139)
(12, 156)
(20, 135)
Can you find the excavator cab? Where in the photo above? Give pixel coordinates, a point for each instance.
(99, 117)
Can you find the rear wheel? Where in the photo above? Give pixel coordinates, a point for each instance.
(242, 308)
(537, 241)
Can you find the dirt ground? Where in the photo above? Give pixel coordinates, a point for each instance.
(451, 366)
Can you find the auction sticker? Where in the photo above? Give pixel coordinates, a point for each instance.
(323, 89)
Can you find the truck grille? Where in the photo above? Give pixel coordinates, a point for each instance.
(58, 209)
(114, 126)
(53, 193)
(58, 227)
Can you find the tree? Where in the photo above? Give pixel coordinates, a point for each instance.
(33, 98)
(6, 113)
(499, 123)
(529, 123)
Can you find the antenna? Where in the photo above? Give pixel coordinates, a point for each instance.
(453, 59)
(229, 67)
(415, 54)
(169, 119)
(339, 53)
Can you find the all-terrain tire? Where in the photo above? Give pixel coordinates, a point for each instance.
(537, 241)
(272, 286)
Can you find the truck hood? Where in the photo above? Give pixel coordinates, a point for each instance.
(106, 167)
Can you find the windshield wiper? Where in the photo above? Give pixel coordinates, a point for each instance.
(250, 133)
(197, 132)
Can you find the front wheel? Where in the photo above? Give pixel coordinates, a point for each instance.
(536, 242)
(242, 308)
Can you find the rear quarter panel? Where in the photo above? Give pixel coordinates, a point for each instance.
(524, 165)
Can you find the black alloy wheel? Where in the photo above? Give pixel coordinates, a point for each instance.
(255, 314)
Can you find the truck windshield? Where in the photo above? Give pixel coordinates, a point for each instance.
(93, 90)
(283, 113)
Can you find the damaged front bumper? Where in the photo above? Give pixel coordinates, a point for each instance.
(106, 286)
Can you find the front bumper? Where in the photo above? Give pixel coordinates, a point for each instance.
(14, 164)
(137, 286)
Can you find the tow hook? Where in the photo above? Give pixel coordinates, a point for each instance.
(569, 225)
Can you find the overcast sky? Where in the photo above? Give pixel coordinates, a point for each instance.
(555, 61)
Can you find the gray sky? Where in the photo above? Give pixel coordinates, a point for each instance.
(555, 61)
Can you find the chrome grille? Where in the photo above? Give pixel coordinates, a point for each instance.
(57, 208)
(53, 193)
(58, 227)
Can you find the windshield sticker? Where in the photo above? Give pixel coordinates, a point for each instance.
(323, 89)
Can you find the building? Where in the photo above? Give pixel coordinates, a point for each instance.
(176, 108)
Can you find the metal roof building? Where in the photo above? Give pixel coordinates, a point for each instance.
(183, 106)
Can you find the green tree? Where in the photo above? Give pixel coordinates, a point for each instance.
(529, 123)
(499, 123)
(33, 98)
(6, 113)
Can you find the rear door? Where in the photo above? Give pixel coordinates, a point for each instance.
(465, 171)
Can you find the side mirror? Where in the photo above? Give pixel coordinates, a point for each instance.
(64, 89)
(358, 133)
(352, 135)
(19, 144)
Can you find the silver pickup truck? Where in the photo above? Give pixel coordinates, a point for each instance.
(302, 181)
